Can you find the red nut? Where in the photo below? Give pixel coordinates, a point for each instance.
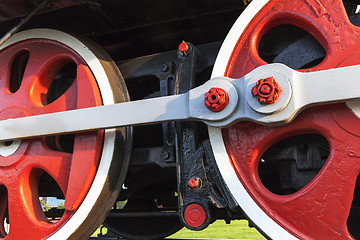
(266, 90)
(216, 99)
(194, 182)
(183, 47)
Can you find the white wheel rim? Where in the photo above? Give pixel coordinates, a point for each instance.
(109, 137)
(270, 227)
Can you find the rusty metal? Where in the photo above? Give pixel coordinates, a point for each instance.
(266, 90)
(216, 99)
(194, 182)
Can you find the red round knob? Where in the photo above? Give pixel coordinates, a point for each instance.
(183, 47)
(216, 99)
(193, 183)
(194, 215)
(266, 90)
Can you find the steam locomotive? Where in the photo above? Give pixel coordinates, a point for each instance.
(151, 116)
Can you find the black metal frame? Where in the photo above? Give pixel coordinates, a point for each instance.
(184, 150)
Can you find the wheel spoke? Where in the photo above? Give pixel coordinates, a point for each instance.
(335, 33)
(66, 101)
(25, 213)
(85, 155)
(252, 59)
(86, 146)
(86, 83)
(325, 20)
(56, 164)
(312, 207)
(45, 62)
(35, 69)
(76, 96)
(11, 67)
(328, 22)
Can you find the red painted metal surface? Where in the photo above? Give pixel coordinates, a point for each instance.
(20, 172)
(321, 208)
(194, 215)
(193, 183)
(266, 90)
(216, 99)
(183, 47)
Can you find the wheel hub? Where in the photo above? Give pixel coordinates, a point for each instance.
(8, 148)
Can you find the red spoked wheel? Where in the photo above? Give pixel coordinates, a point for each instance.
(45, 71)
(319, 207)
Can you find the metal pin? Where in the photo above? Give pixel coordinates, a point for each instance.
(22, 22)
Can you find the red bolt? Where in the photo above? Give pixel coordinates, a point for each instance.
(183, 47)
(266, 90)
(194, 182)
(216, 99)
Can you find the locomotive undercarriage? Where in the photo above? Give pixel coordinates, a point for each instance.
(168, 175)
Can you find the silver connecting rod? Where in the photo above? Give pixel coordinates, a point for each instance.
(299, 90)
(187, 106)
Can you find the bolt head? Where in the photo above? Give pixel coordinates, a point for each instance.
(266, 91)
(194, 182)
(216, 99)
(165, 155)
(165, 68)
(183, 47)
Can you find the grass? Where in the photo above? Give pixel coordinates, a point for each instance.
(104, 230)
(238, 229)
